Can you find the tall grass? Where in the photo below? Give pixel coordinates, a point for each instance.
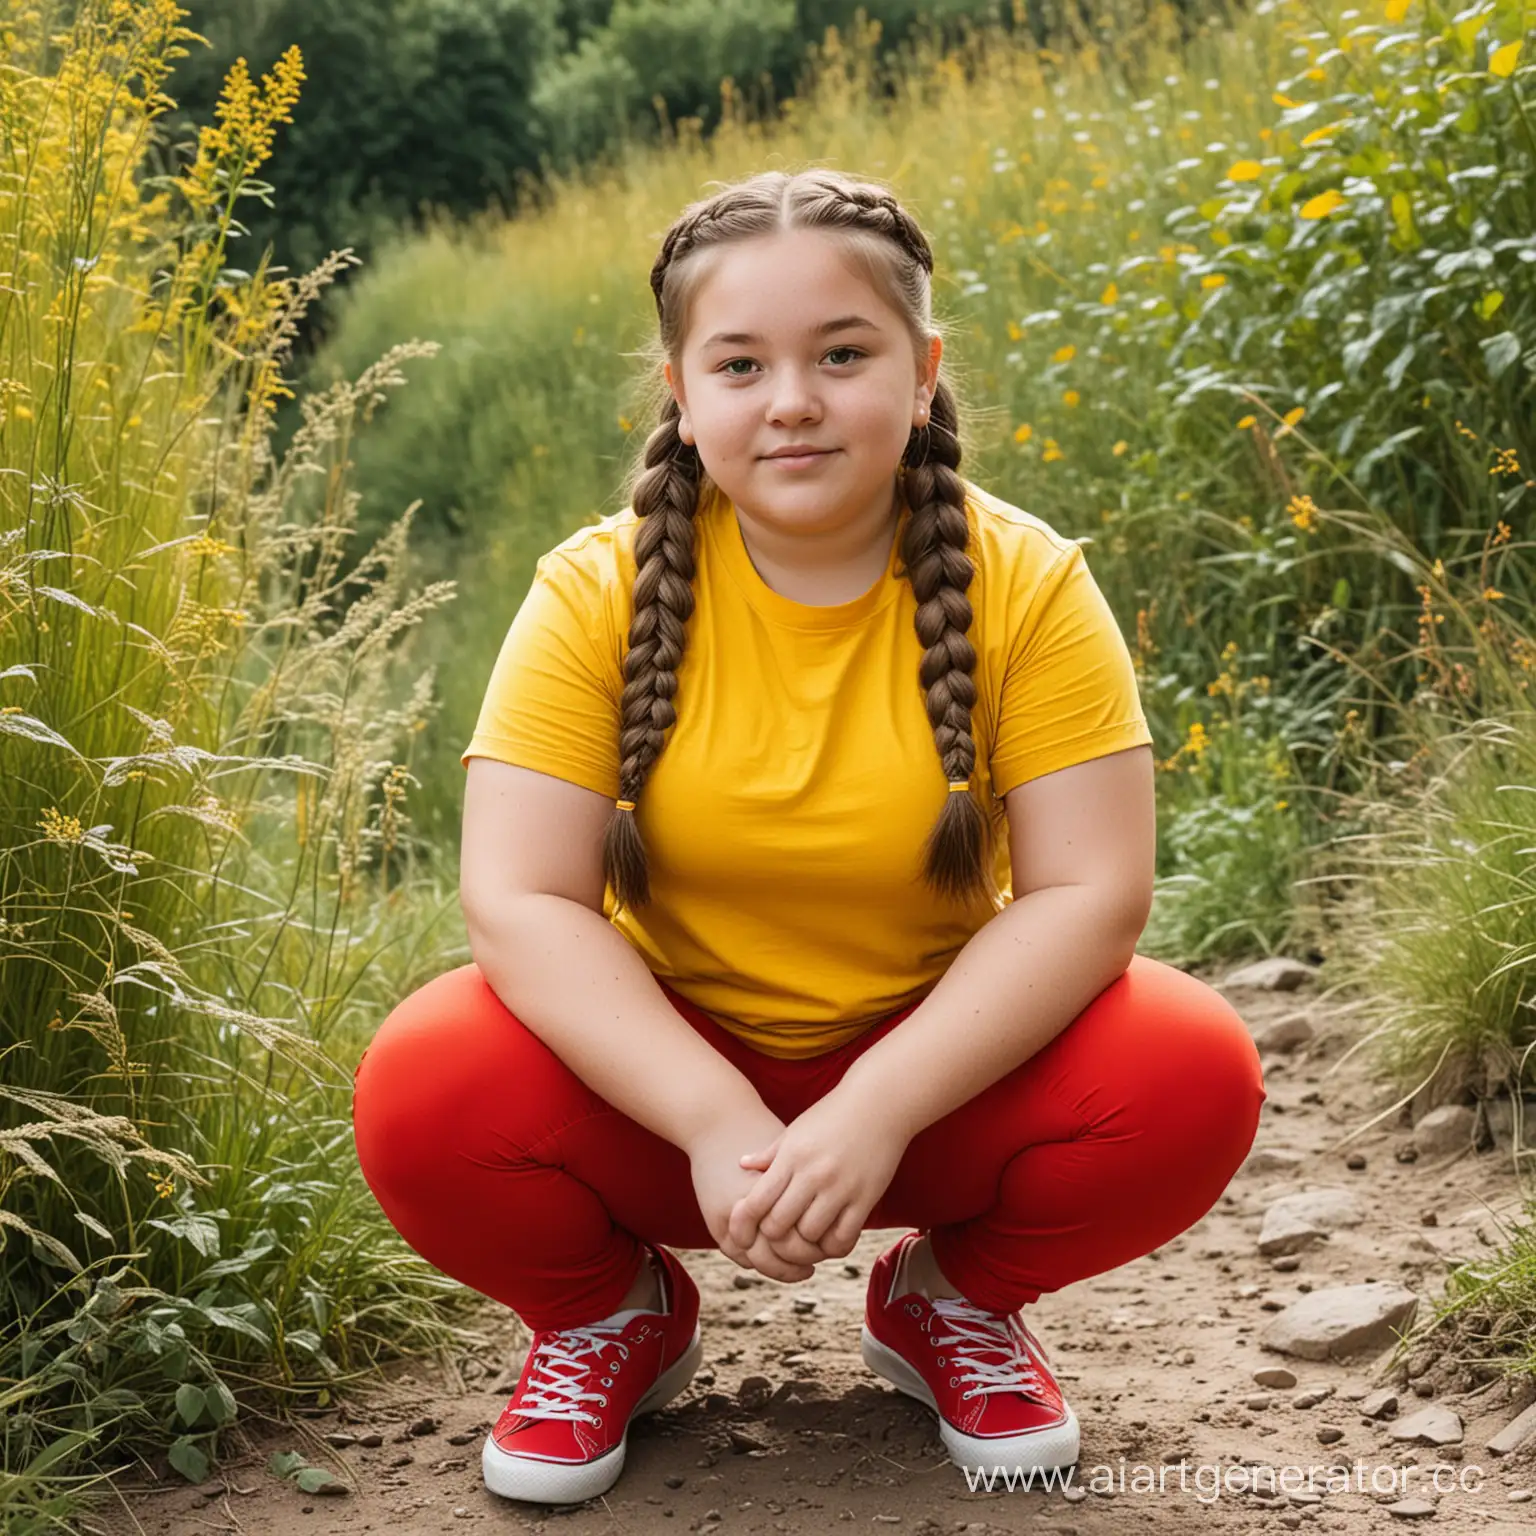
(210, 888)
(1196, 290)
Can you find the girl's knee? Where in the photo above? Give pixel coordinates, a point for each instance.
(1193, 1060)
(420, 1076)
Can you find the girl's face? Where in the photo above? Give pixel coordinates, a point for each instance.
(788, 346)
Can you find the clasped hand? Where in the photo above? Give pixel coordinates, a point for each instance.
(799, 1193)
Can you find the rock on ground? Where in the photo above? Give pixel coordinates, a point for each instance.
(1515, 1434)
(1450, 1128)
(1279, 973)
(1342, 1320)
(1295, 1221)
(1435, 1425)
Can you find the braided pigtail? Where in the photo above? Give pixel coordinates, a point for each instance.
(889, 248)
(666, 497)
(958, 852)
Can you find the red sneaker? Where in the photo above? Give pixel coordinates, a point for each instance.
(985, 1375)
(561, 1438)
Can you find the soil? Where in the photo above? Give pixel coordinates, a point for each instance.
(1157, 1357)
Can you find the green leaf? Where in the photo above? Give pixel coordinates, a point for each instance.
(188, 1460)
(1367, 461)
(190, 1402)
(1341, 593)
(221, 1403)
(200, 1231)
(227, 1317)
(1499, 352)
(284, 1463)
(318, 1480)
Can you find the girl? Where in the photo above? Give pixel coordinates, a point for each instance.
(808, 836)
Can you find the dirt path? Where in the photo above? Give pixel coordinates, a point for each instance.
(1157, 1358)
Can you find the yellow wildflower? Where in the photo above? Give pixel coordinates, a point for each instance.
(1245, 423)
(1070, 397)
(1245, 170)
(1023, 433)
(1503, 60)
(1121, 447)
(1303, 512)
(1323, 204)
(1064, 354)
(59, 828)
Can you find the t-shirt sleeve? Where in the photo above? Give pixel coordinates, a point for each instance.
(552, 703)
(1069, 688)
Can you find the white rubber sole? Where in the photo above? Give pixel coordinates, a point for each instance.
(1053, 1447)
(563, 1482)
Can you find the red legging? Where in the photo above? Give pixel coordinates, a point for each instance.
(501, 1167)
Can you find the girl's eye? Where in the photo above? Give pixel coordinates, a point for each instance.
(728, 367)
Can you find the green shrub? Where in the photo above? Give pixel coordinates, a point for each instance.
(210, 892)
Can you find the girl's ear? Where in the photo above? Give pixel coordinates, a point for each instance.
(684, 425)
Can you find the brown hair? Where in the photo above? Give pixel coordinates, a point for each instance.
(893, 254)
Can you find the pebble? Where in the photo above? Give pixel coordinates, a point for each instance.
(743, 1282)
(1275, 1376)
(743, 1440)
(372, 1439)
(1275, 973)
(1329, 1434)
(424, 1426)
(1294, 1222)
(1411, 1509)
(852, 1271)
(1436, 1425)
(1428, 1219)
(340, 1438)
(673, 1480)
(1283, 1034)
(1519, 1495)
(754, 1391)
(1258, 1402)
(806, 1305)
(1355, 1161)
(1445, 1130)
(1342, 1320)
(1074, 1494)
(1515, 1434)
(1312, 1397)
(1286, 1263)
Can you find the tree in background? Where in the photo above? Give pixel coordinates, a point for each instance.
(469, 104)
(410, 102)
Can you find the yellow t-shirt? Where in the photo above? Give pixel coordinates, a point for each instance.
(784, 819)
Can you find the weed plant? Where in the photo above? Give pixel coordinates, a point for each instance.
(210, 888)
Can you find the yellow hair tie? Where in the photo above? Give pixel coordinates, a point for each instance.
(624, 805)
(957, 785)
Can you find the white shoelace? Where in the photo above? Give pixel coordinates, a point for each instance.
(566, 1361)
(979, 1333)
